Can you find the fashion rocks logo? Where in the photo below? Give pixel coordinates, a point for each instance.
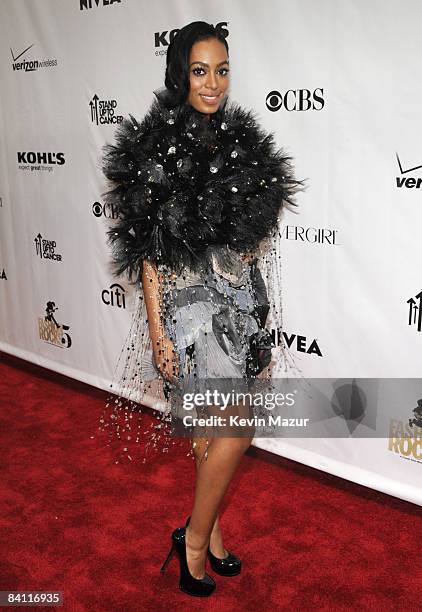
(21, 61)
(103, 112)
(50, 330)
(39, 161)
(46, 249)
(404, 180)
(405, 439)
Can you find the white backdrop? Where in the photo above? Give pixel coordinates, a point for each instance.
(345, 103)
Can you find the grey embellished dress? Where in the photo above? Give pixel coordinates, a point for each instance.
(215, 320)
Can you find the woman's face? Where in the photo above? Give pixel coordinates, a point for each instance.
(208, 75)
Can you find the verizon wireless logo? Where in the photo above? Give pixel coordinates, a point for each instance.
(21, 61)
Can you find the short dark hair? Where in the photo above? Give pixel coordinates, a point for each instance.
(176, 82)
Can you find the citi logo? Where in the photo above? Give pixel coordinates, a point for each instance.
(409, 182)
(296, 100)
(88, 4)
(163, 39)
(114, 296)
(38, 157)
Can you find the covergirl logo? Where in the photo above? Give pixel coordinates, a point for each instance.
(315, 235)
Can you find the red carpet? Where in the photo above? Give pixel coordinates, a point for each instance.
(74, 521)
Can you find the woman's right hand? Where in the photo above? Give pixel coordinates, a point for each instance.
(167, 359)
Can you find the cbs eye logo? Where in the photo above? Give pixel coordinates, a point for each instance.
(296, 100)
(105, 210)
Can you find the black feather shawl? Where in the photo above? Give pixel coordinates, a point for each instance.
(183, 182)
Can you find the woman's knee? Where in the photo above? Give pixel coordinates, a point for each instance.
(241, 443)
(199, 446)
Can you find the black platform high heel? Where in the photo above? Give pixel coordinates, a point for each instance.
(199, 587)
(228, 566)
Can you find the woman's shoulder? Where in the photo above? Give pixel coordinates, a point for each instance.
(239, 114)
(161, 122)
(137, 138)
(135, 127)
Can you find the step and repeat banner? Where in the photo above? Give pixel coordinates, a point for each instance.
(338, 84)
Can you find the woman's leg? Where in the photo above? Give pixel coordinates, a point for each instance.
(213, 477)
(216, 538)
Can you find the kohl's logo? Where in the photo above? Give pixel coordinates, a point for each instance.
(164, 38)
(43, 161)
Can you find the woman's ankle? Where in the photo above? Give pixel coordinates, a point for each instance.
(216, 544)
(196, 544)
(195, 557)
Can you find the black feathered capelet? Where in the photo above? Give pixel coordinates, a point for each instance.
(183, 182)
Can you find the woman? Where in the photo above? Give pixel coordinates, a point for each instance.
(199, 191)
